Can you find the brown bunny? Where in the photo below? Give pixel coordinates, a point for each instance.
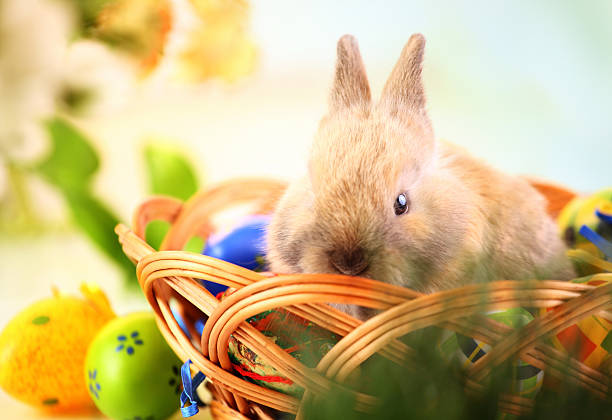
(383, 199)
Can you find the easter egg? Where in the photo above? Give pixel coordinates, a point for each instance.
(566, 221)
(592, 212)
(583, 211)
(42, 350)
(605, 212)
(302, 339)
(131, 372)
(590, 339)
(244, 245)
(455, 347)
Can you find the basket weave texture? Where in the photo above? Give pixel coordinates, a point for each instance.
(174, 274)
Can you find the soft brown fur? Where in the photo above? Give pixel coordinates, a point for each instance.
(467, 221)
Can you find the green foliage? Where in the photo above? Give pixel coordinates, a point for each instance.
(72, 161)
(428, 387)
(155, 232)
(169, 172)
(98, 223)
(70, 167)
(194, 244)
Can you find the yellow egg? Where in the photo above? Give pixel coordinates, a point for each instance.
(566, 219)
(42, 350)
(582, 211)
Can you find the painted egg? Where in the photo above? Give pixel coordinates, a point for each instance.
(590, 339)
(42, 350)
(244, 245)
(566, 220)
(131, 372)
(455, 347)
(583, 211)
(302, 339)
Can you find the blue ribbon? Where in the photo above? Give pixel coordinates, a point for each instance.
(180, 321)
(603, 245)
(189, 394)
(606, 217)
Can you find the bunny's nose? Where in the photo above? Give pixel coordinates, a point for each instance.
(350, 262)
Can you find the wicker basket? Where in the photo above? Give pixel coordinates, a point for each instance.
(175, 274)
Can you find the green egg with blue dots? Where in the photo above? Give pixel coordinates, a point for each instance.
(131, 372)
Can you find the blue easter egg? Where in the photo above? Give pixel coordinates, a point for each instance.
(245, 246)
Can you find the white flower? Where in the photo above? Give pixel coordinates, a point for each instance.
(34, 36)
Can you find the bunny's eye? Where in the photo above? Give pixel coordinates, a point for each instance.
(401, 205)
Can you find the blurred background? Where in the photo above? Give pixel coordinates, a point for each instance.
(104, 102)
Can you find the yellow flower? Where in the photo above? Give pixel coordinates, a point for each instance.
(139, 27)
(220, 46)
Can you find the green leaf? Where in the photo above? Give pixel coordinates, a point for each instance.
(169, 172)
(155, 232)
(70, 166)
(72, 161)
(195, 244)
(98, 222)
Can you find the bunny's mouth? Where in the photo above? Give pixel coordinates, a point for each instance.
(357, 270)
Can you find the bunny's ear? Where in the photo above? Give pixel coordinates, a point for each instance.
(404, 88)
(350, 85)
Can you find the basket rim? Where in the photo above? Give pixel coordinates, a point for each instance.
(167, 273)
